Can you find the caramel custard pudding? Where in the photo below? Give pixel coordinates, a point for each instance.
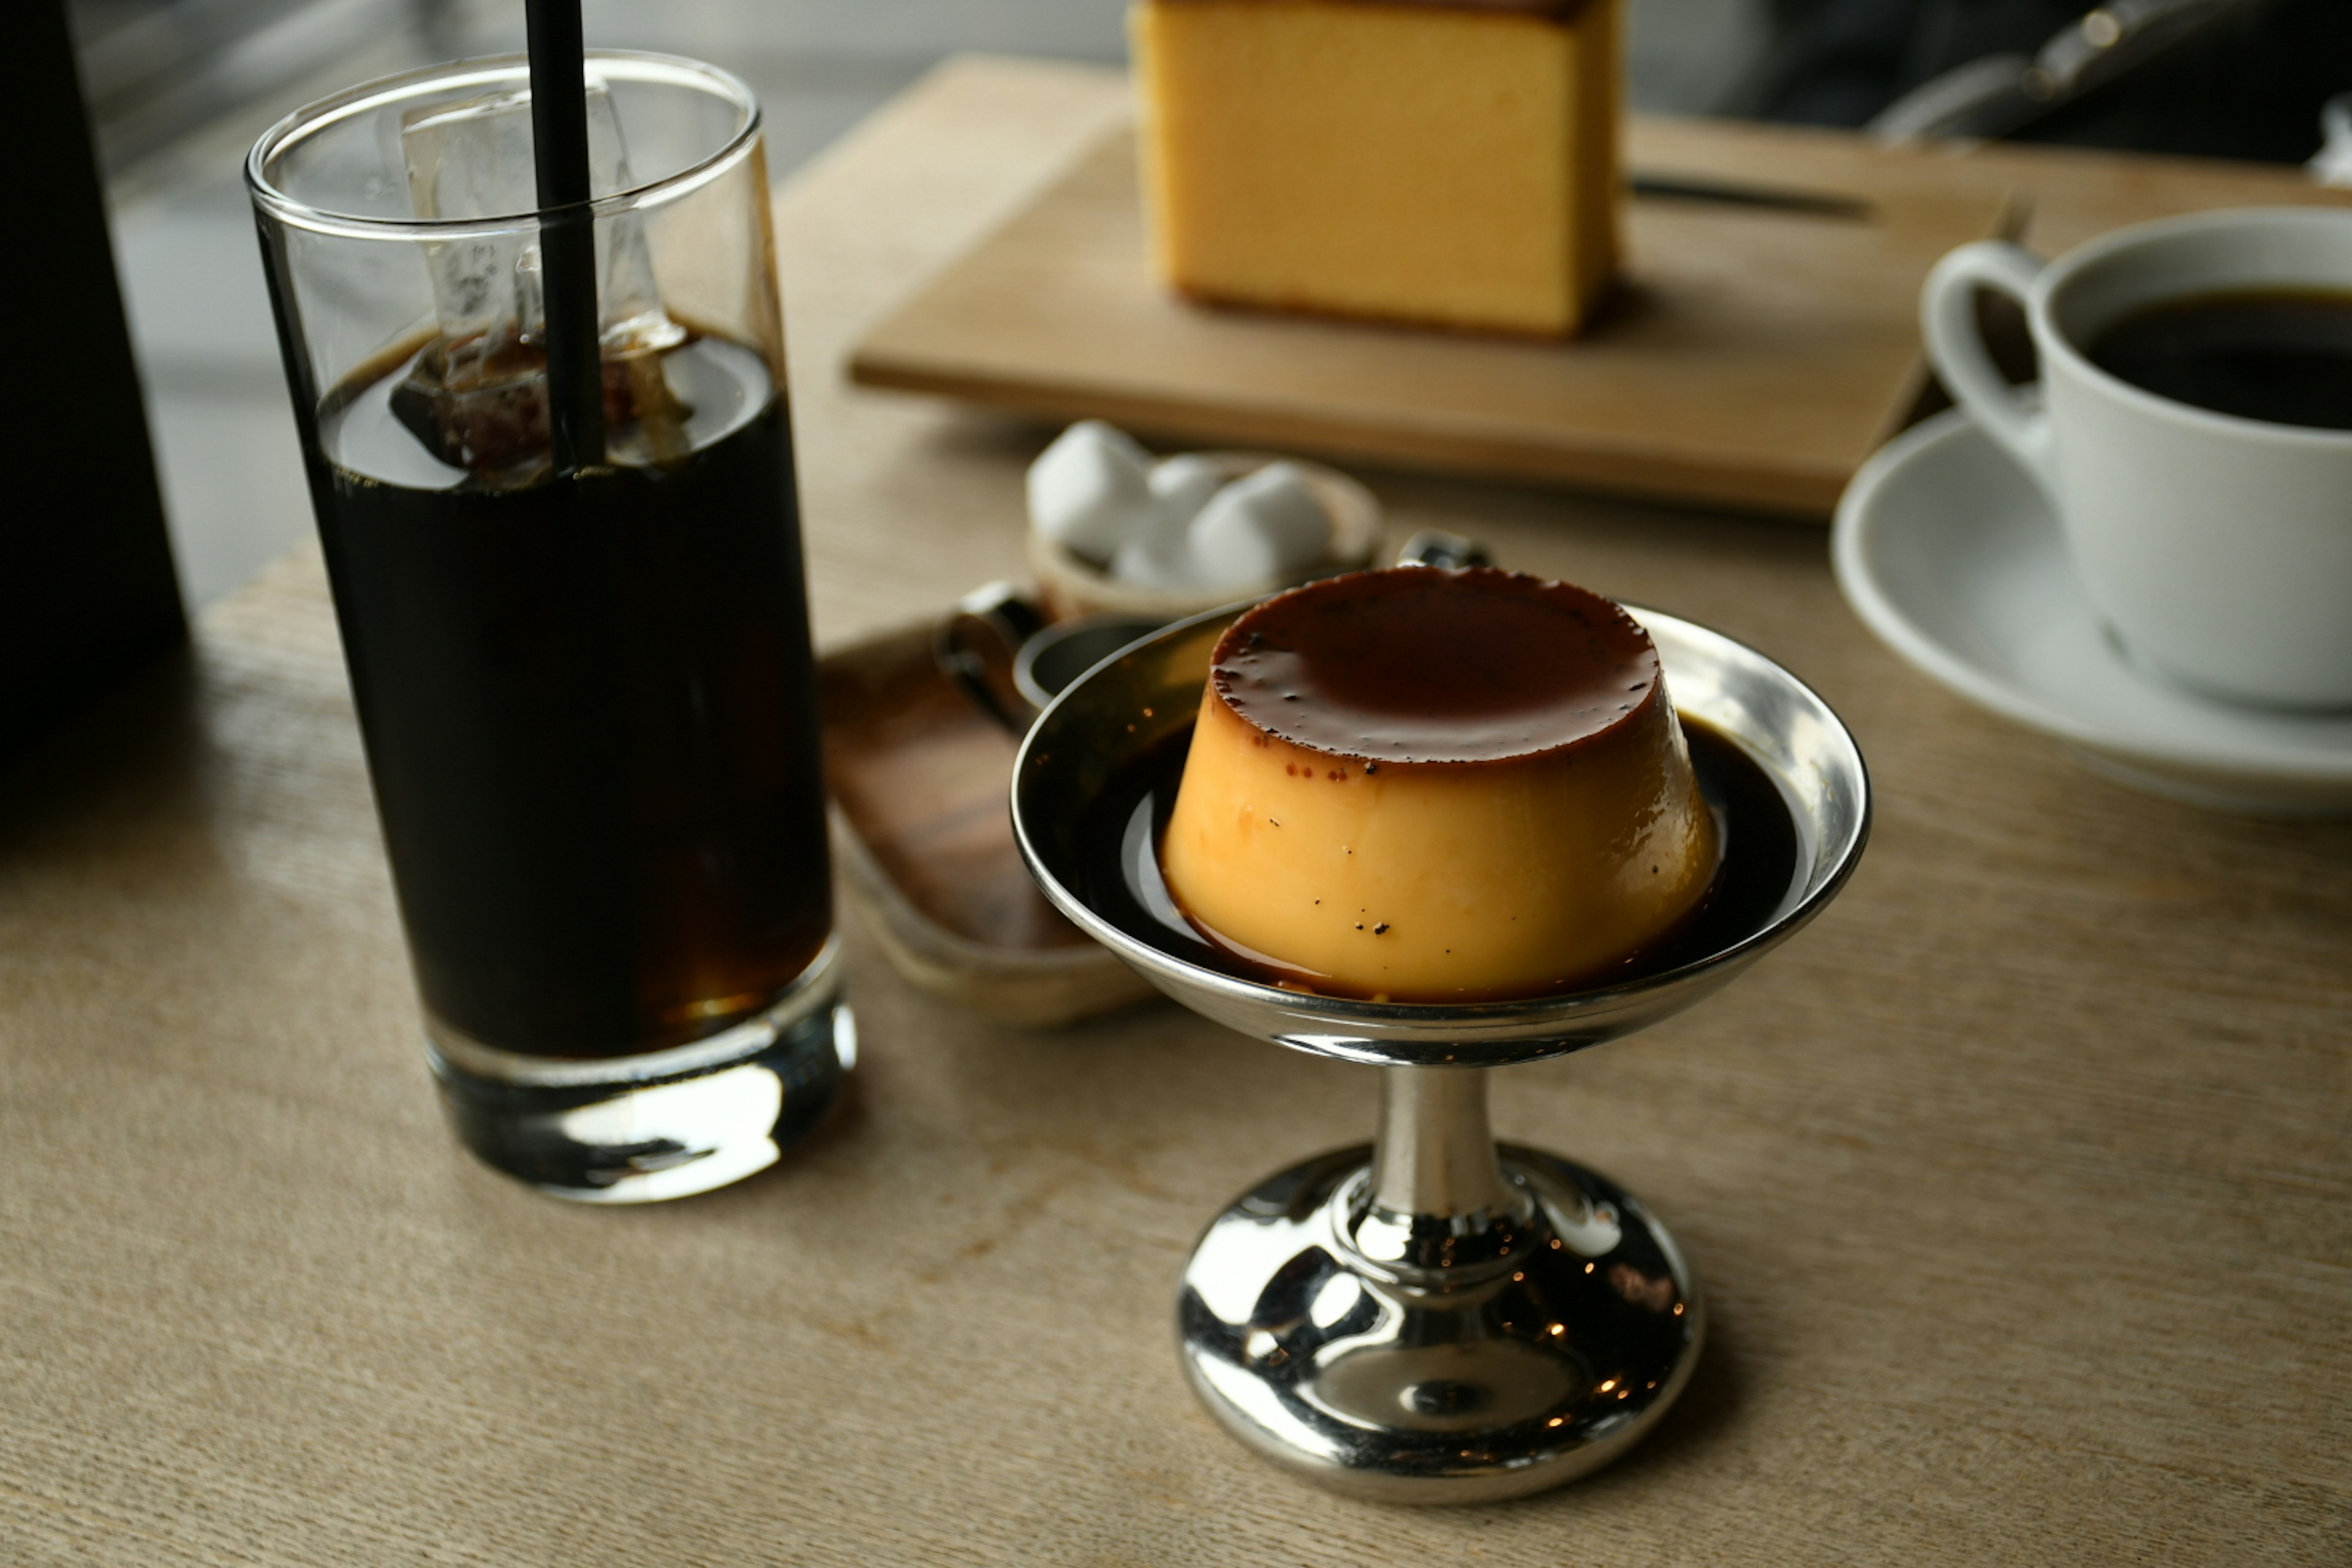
(1424, 785)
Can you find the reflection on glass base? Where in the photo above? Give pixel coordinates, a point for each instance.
(668, 1124)
(1534, 1365)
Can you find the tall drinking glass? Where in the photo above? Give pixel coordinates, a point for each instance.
(586, 690)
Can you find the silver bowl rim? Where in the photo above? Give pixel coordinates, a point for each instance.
(1444, 1020)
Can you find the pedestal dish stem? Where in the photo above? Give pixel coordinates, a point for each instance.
(1435, 1158)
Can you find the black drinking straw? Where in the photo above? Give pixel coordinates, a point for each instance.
(567, 235)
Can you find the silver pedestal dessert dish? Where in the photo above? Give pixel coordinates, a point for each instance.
(1428, 1318)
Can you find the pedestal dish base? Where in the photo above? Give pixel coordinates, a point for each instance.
(1534, 1364)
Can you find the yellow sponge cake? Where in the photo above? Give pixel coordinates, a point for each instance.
(1446, 162)
(1429, 786)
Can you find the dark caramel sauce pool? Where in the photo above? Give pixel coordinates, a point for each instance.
(1761, 871)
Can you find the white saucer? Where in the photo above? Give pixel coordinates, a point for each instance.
(1952, 554)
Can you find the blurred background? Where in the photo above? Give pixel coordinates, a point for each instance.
(178, 90)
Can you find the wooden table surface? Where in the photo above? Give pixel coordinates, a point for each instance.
(2020, 1182)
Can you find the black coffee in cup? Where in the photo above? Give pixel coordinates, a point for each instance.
(2284, 355)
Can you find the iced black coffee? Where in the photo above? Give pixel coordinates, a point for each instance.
(586, 700)
(585, 686)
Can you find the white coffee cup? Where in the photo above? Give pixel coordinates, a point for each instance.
(2219, 548)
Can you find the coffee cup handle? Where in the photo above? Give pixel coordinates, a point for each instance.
(1947, 317)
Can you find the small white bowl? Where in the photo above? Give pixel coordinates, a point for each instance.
(1070, 585)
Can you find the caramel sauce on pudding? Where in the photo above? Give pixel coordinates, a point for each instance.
(1427, 666)
(1424, 784)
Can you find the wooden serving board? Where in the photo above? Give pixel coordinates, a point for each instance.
(1752, 356)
